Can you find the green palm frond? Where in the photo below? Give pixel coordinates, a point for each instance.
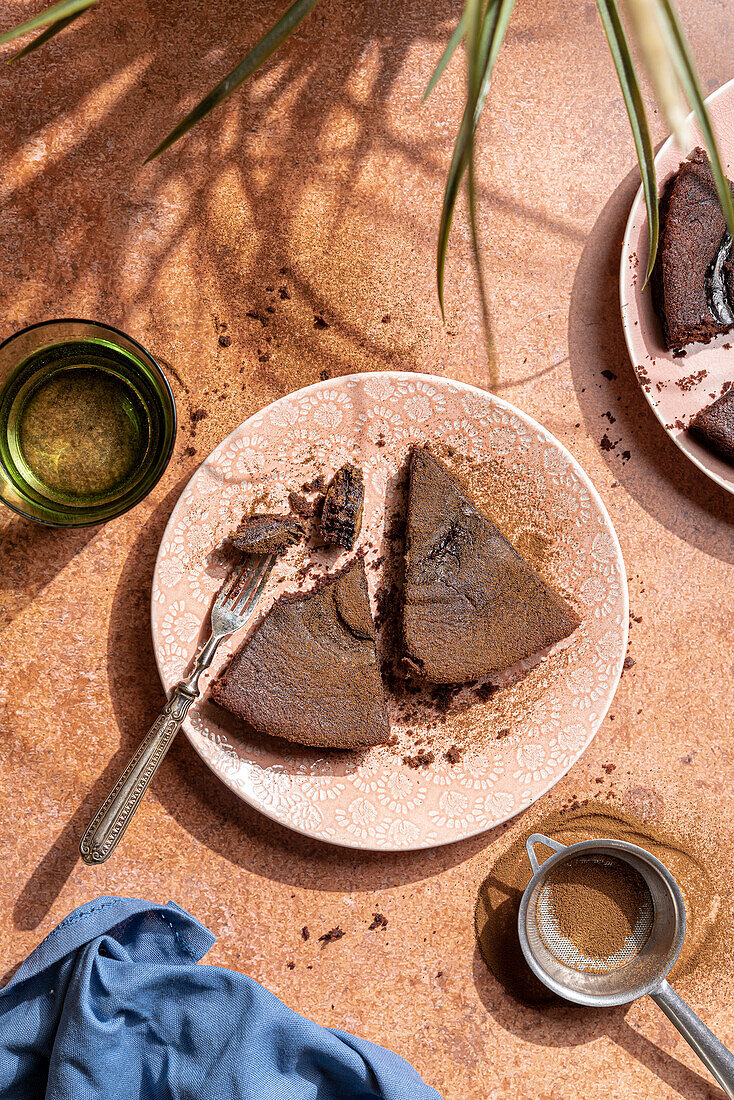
(246, 67)
(476, 70)
(488, 41)
(619, 49)
(49, 17)
(45, 36)
(446, 56)
(644, 15)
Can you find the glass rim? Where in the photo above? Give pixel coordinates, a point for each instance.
(166, 455)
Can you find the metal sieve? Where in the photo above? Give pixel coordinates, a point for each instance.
(640, 967)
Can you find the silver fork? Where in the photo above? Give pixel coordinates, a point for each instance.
(230, 612)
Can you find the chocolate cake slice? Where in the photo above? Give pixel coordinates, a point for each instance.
(341, 516)
(264, 533)
(472, 604)
(692, 278)
(309, 673)
(714, 426)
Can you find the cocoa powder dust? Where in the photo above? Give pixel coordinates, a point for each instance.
(601, 906)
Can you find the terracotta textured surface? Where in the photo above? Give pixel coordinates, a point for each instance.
(330, 167)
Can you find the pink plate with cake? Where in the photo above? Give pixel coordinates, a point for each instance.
(677, 387)
(460, 760)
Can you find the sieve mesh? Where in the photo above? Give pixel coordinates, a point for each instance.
(557, 938)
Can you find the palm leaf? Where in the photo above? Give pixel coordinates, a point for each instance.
(45, 36)
(246, 67)
(45, 18)
(681, 58)
(446, 56)
(619, 48)
(494, 39)
(652, 42)
(475, 74)
(451, 190)
(491, 35)
(459, 156)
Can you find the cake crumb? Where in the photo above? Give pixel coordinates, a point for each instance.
(331, 935)
(303, 507)
(315, 485)
(379, 920)
(419, 759)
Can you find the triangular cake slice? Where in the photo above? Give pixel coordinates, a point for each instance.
(309, 672)
(691, 282)
(714, 425)
(472, 604)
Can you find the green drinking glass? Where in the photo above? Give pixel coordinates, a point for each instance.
(87, 422)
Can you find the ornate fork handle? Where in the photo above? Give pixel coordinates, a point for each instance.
(230, 612)
(115, 813)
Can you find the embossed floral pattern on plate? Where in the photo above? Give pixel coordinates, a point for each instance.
(375, 800)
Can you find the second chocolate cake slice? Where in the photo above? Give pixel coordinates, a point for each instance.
(472, 604)
(691, 282)
(714, 425)
(310, 673)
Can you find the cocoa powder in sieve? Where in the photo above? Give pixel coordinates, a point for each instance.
(596, 903)
(709, 907)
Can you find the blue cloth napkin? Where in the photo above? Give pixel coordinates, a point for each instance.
(114, 1004)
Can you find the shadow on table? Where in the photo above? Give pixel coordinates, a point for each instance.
(568, 1025)
(92, 169)
(283, 184)
(32, 555)
(49, 877)
(673, 491)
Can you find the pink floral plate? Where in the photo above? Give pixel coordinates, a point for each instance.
(461, 760)
(677, 388)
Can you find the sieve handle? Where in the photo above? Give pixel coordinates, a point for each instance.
(540, 838)
(712, 1052)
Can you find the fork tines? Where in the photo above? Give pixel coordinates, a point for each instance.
(233, 581)
(247, 595)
